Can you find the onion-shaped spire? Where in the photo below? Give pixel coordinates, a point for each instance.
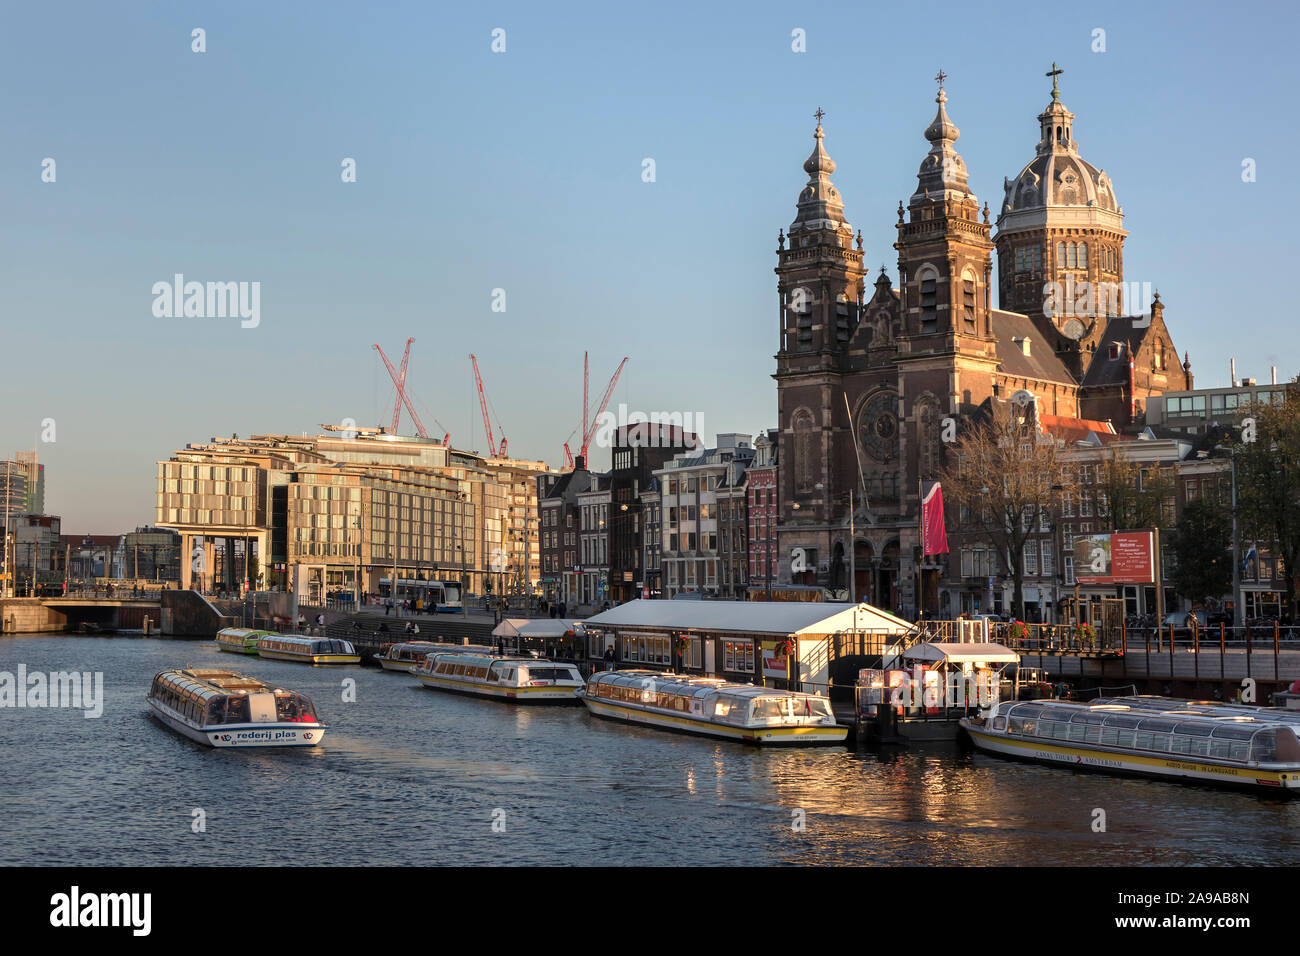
(820, 204)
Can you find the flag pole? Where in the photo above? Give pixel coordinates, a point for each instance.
(920, 559)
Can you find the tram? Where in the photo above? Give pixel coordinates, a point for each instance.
(441, 596)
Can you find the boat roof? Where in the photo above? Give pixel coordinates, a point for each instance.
(223, 681)
(961, 653)
(1103, 709)
(687, 684)
(778, 618)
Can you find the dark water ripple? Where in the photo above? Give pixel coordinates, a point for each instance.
(410, 776)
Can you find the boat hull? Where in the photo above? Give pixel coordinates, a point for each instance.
(310, 658)
(250, 649)
(1123, 762)
(792, 736)
(243, 735)
(519, 695)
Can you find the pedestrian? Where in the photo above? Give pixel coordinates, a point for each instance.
(388, 607)
(609, 658)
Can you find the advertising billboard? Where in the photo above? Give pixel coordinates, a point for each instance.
(1124, 557)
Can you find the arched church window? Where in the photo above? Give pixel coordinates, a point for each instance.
(928, 438)
(968, 302)
(1072, 256)
(1060, 255)
(1083, 255)
(929, 299)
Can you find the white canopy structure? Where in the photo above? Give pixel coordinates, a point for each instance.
(776, 618)
(962, 653)
(544, 627)
(509, 627)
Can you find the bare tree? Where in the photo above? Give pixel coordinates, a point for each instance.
(1004, 475)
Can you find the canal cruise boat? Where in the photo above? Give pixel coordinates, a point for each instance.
(240, 640)
(307, 650)
(406, 656)
(524, 680)
(713, 708)
(222, 708)
(1174, 739)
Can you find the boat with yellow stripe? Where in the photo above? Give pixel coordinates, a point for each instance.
(713, 708)
(524, 680)
(307, 650)
(1156, 737)
(239, 640)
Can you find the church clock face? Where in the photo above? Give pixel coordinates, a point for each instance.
(878, 430)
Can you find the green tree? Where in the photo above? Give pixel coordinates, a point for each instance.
(1202, 544)
(1268, 483)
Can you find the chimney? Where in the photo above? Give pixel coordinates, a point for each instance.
(580, 463)
(1232, 373)
(1273, 374)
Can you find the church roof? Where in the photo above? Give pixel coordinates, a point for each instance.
(1072, 430)
(1121, 330)
(1011, 329)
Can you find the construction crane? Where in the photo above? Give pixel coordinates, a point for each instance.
(399, 379)
(589, 426)
(487, 421)
(397, 402)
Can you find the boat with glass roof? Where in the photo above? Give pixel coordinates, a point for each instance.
(407, 656)
(713, 708)
(1202, 741)
(308, 650)
(239, 640)
(222, 708)
(524, 680)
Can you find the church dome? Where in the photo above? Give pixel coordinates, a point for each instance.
(1058, 175)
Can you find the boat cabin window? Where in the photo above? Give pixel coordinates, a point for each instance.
(216, 711)
(237, 710)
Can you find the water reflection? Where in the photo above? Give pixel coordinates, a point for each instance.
(122, 789)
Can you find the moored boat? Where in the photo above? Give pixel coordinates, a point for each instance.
(307, 650)
(525, 680)
(713, 708)
(407, 655)
(239, 640)
(222, 708)
(1182, 740)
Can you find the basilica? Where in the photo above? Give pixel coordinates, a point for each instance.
(869, 369)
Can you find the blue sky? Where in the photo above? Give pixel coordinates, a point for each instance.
(522, 171)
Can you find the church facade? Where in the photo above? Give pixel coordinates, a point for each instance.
(872, 377)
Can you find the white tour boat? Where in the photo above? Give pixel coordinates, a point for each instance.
(713, 707)
(521, 679)
(1178, 739)
(308, 650)
(222, 708)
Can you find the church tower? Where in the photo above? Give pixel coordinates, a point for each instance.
(944, 252)
(1060, 241)
(820, 289)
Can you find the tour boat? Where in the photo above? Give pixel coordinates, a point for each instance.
(239, 640)
(405, 657)
(1178, 739)
(521, 679)
(222, 708)
(309, 650)
(713, 707)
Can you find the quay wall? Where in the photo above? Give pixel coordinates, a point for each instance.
(30, 616)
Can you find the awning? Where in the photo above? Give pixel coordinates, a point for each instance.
(954, 653)
(509, 627)
(544, 627)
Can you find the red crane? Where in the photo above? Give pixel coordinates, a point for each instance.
(487, 421)
(589, 428)
(399, 379)
(397, 402)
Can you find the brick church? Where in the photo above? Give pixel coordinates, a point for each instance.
(865, 378)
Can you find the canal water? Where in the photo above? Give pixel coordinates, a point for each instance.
(413, 776)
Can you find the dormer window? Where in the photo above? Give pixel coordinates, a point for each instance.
(1116, 349)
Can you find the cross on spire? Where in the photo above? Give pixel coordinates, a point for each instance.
(1054, 72)
(819, 114)
(940, 77)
